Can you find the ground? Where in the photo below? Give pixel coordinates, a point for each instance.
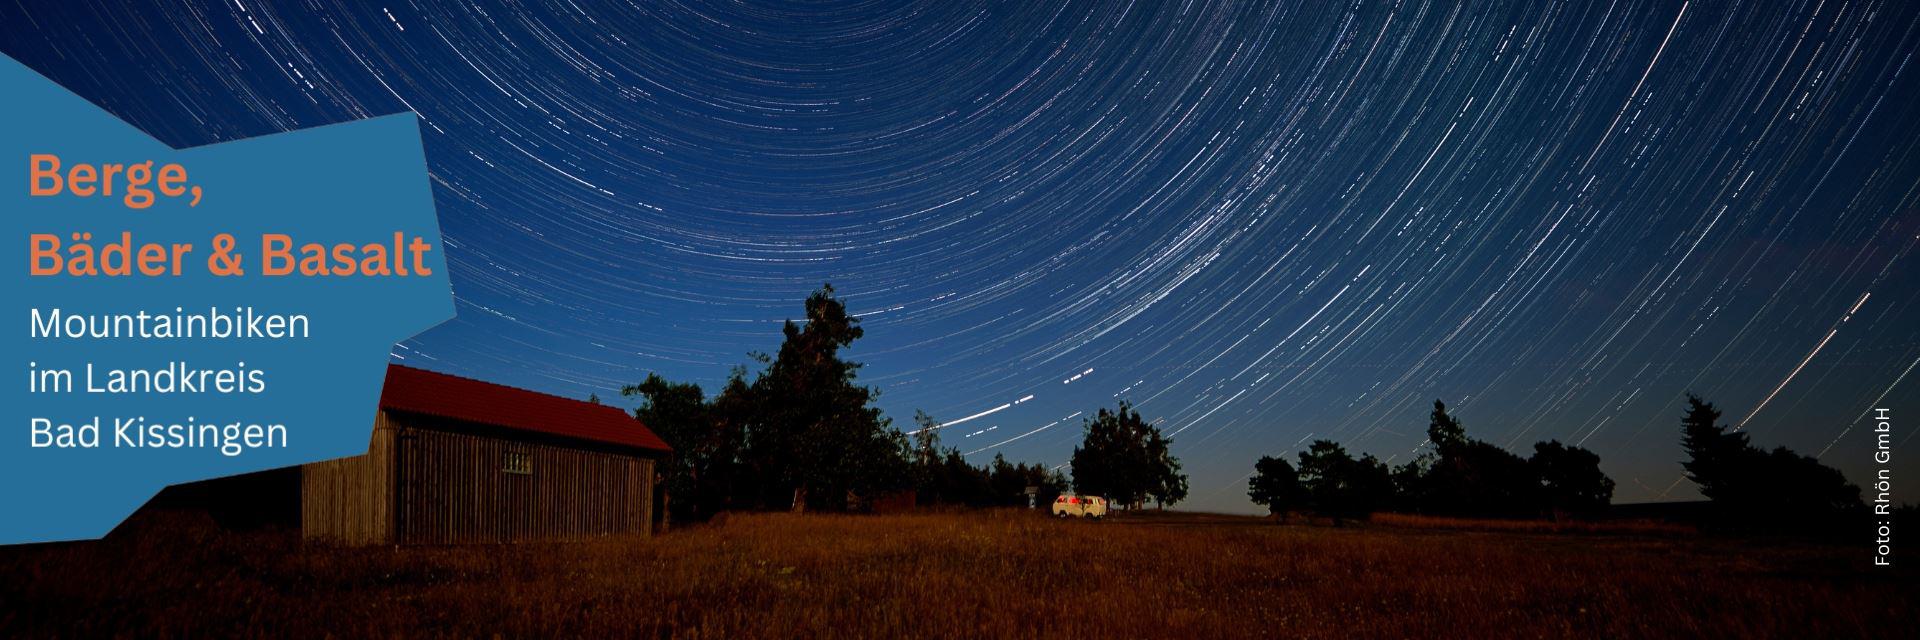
(958, 574)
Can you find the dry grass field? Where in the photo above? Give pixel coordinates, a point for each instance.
(968, 574)
(1644, 527)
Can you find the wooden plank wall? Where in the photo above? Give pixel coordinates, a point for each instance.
(453, 488)
(350, 500)
(422, 485)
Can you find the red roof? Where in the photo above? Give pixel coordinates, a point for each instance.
(437, 394)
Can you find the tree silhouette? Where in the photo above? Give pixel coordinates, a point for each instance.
(1371, 485)
(1808, 496)
(1168, 486)
(819, 430)
(1127, 460)
(1444, 430)
(1276, 486)
(926, 441)
(1473, 477)
(1718, 461)
(1411, 489)
(943, 475)
(1570, 478)
(931, 481)
(697, 474)
(1456, 475)
(1010, 482)
(1323, 476)
(801, 433)
(1753, 488)
(1338, 485)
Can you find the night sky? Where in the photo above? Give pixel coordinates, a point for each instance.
(1262, 223)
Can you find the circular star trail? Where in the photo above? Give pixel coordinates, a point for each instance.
(1263, 223)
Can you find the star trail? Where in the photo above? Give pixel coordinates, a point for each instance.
(1261, 222)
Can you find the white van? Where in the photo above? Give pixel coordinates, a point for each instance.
(1080, 506)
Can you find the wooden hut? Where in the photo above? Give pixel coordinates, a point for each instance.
(456, 460)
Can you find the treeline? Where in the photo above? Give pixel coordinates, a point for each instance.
(801, 433)
(1456, 476)
(1749, 488)
(1120, 457)
(943, 475)
(1753, 489)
